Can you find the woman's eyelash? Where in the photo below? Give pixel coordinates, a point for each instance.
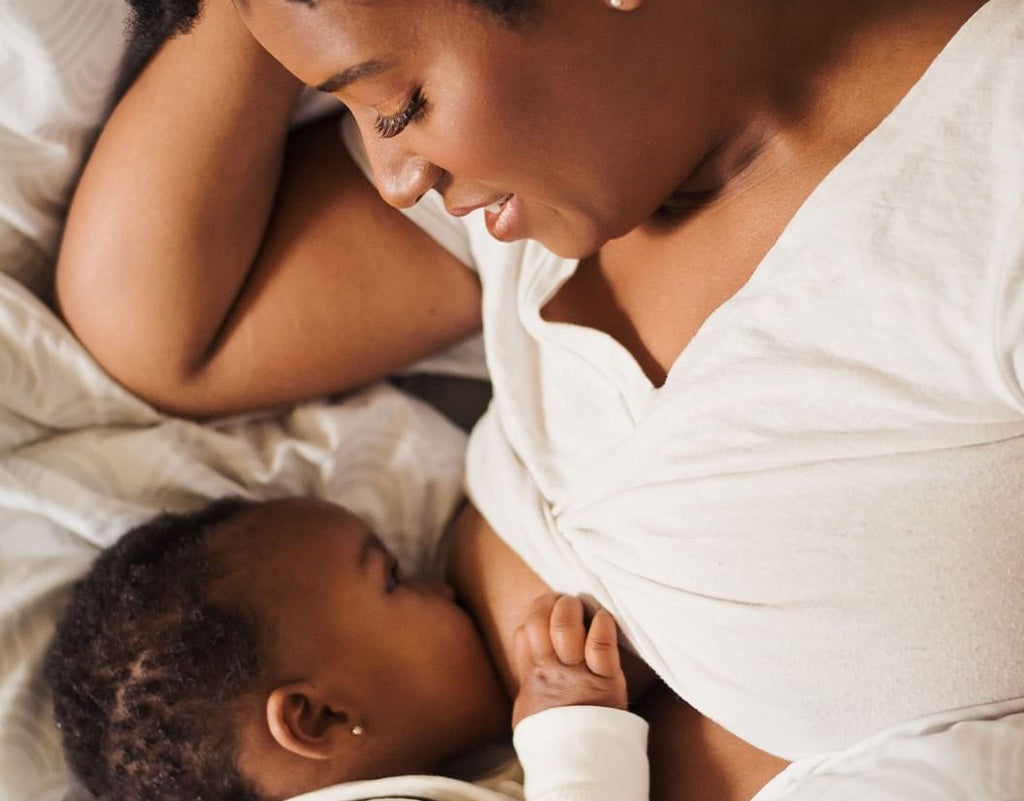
(386, 127)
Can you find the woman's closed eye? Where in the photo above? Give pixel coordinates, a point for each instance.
(387, 127)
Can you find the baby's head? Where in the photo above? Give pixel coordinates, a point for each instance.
(255, 651)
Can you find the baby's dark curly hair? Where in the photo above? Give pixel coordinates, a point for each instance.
(150, 22)
(144, 670)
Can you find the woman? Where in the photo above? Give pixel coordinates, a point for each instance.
(765, 402)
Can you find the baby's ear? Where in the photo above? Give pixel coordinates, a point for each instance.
(306, 722)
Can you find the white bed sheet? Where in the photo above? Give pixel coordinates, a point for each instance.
(58, 62)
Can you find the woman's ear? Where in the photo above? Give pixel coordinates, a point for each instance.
(307, 722)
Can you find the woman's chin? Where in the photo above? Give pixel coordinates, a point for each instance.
(575, 242)
(570, 236)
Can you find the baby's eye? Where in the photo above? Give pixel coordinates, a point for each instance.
(392, 579)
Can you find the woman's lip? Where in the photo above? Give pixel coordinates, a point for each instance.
(504, 225)
(462, 211)
(497, 205)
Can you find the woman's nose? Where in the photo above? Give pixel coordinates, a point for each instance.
(402, 178)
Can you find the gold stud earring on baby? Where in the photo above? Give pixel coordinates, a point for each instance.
(357, 731)
(623, 5)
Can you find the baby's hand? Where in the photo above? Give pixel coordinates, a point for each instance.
(560, 663)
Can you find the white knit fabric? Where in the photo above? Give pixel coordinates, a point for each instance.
(975, 754)
(583, 753)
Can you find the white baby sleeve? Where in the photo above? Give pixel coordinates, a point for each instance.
(583, 753)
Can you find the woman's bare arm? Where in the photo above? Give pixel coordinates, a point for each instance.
(692, 758)
(499, 588)
(207, 288)
(495, 584)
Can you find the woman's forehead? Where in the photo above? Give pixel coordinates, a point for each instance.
(347, 32)
(353, 17)
(383, 23)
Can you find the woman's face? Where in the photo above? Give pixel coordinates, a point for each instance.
(562, 127)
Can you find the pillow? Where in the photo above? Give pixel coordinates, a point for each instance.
(58, 63)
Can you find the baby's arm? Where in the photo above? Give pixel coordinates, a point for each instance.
(211, 270)
(573, 734)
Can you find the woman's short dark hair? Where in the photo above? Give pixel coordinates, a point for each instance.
(150, 22)
(144, 670)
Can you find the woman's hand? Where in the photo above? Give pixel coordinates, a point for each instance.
(560, 661)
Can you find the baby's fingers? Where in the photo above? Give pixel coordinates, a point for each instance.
(567, 631)
(602, 647)
(537, 627)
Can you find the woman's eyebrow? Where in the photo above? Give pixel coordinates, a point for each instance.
(365, 69)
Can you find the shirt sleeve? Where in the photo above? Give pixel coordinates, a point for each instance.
(583, 753)
(975, 753)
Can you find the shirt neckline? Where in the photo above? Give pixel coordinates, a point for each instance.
(615, 361)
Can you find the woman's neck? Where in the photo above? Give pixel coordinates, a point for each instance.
(807, 73)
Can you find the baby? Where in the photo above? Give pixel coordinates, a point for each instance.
(254, 651)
